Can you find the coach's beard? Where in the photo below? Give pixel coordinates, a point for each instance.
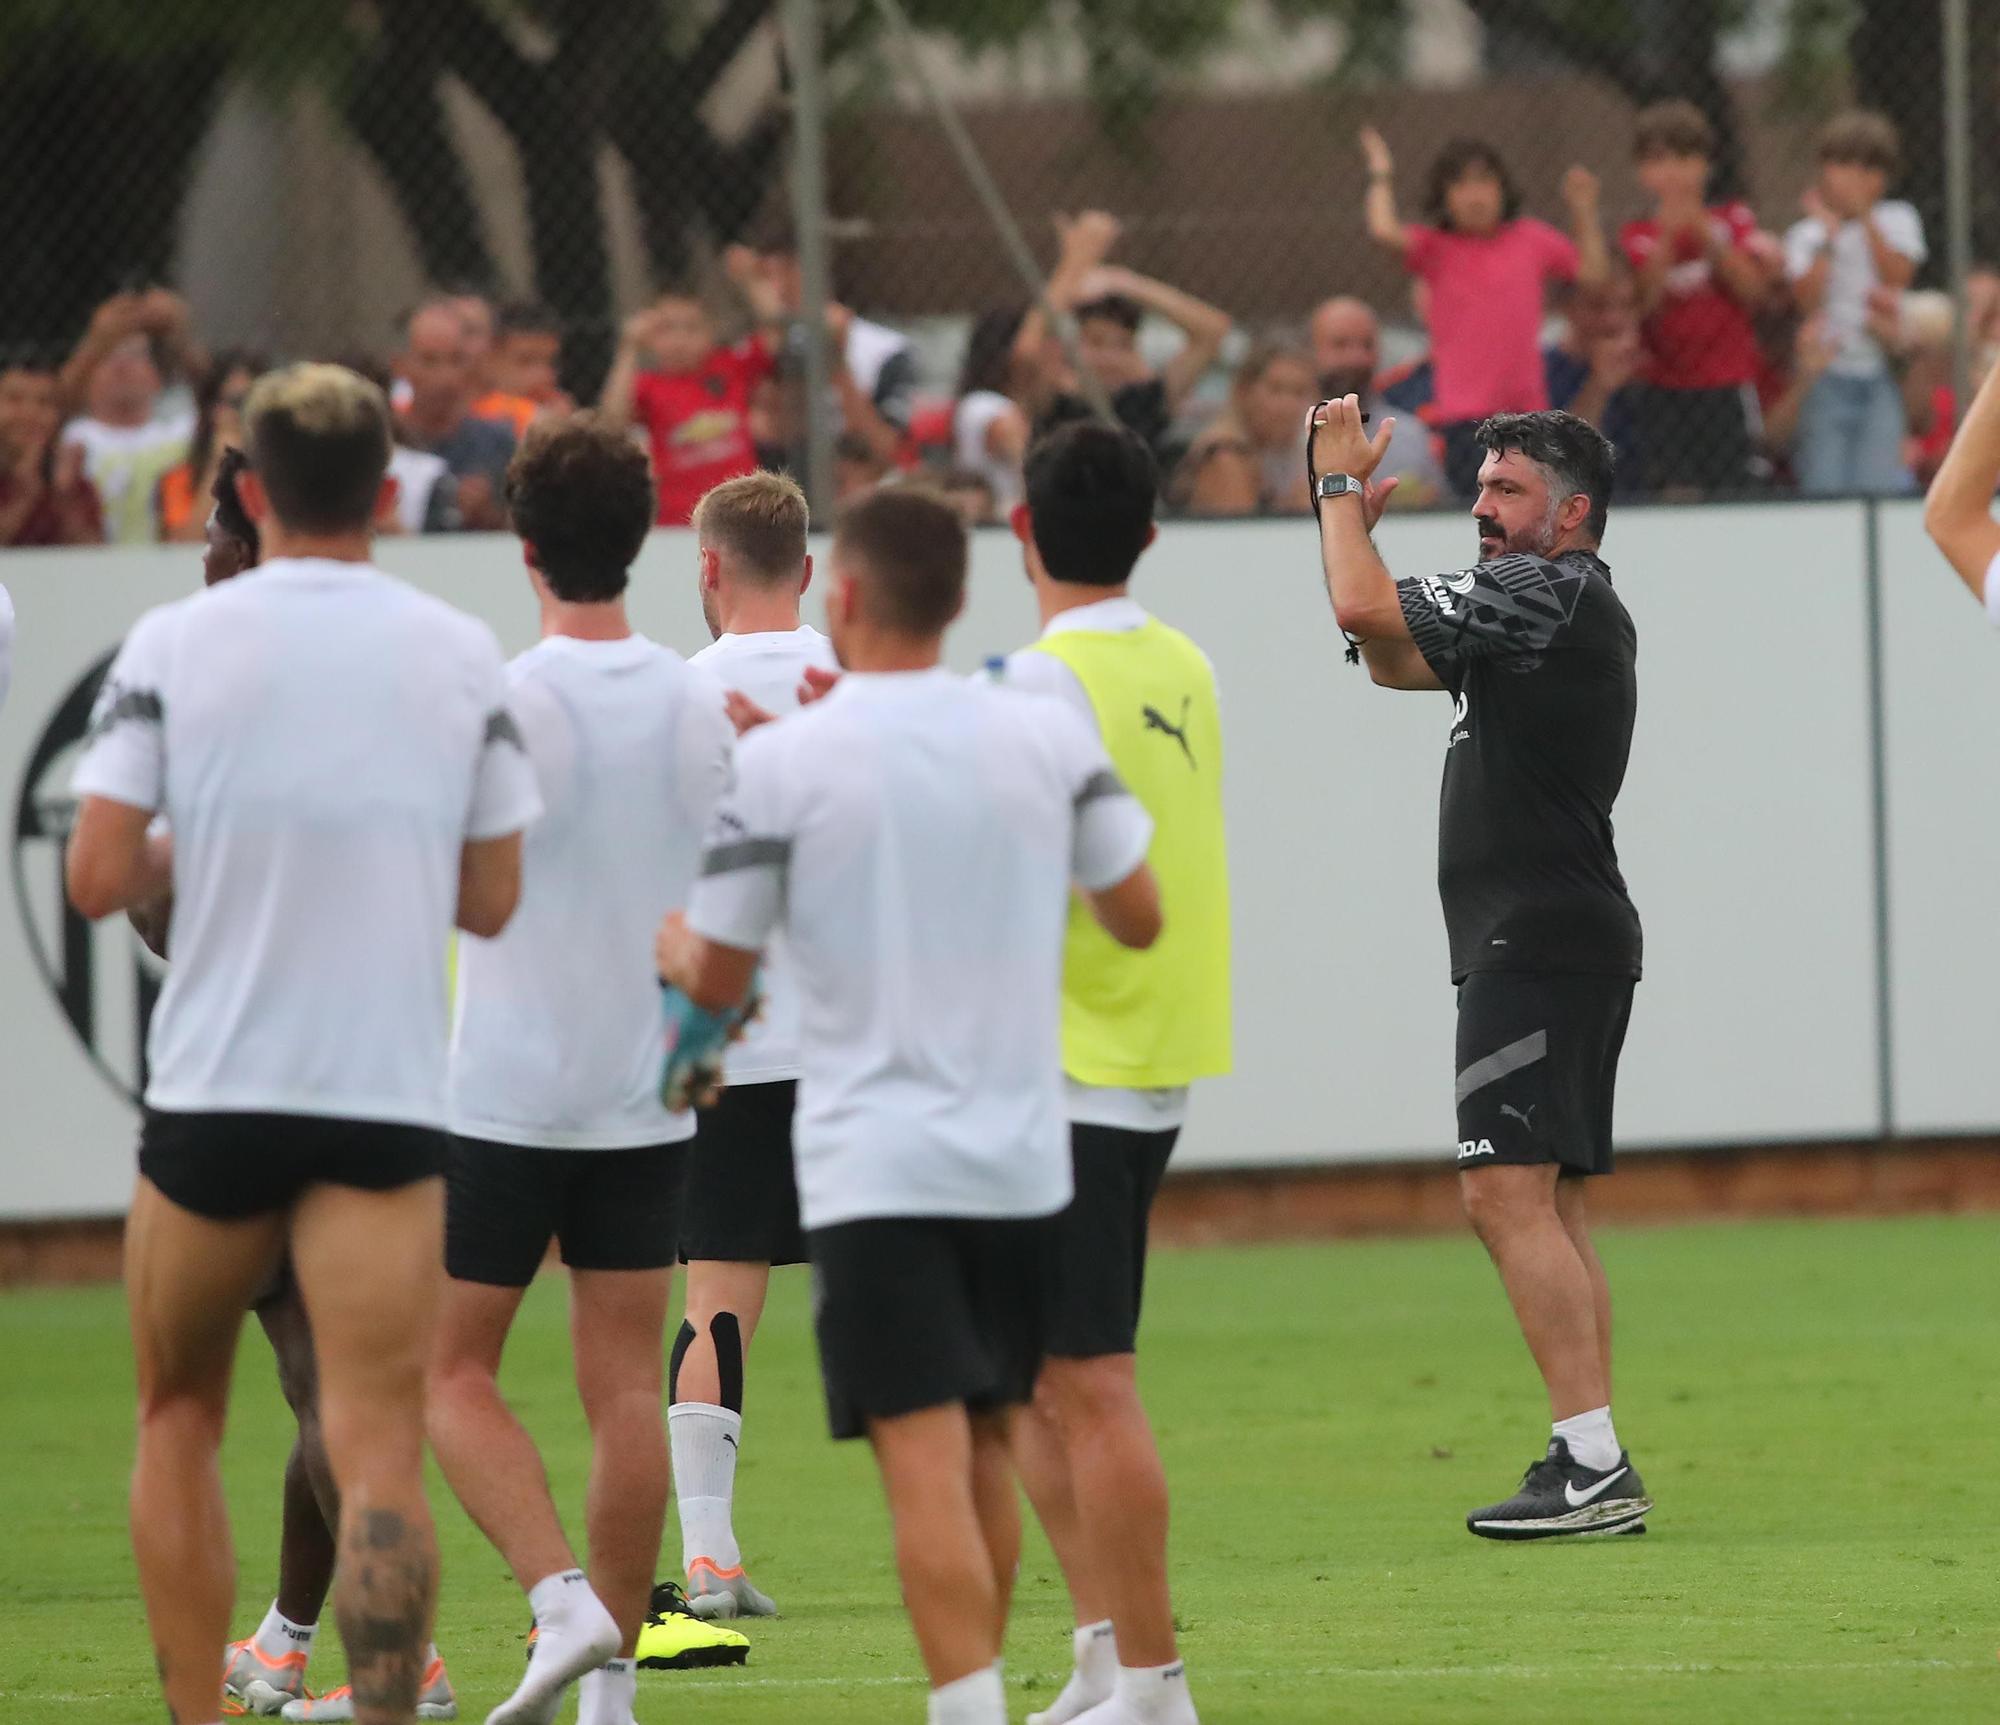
(1537, 541)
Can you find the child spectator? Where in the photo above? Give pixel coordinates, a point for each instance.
(1250, 459)
(186, 489)
(1851, 241)
(117, 372)
(857, 468)
(525, 368)
(1110, 304)
(970, 495)
(1485, 269)
(1000, 388)
(1590, 369)
(1700, 277)
(695, 401)
(44, 497)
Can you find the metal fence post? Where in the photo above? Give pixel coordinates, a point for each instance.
(802, 46)
(1956, 110)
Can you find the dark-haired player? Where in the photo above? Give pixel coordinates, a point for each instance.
(331, 750)
(1138, 1029)
(558, 1127)
(1538, 652)
(914, 836)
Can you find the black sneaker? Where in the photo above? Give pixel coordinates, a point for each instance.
(1559, 1496)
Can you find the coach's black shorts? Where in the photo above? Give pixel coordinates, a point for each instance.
(609, 1209)
(1538, 1067)
(1098, 1245)
(742, 1189)
(228, 1166)
(1695, 439)
(918, 1312)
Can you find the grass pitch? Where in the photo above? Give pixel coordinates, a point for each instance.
(1814, 1406)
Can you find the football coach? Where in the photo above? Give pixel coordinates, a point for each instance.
(1538, 654)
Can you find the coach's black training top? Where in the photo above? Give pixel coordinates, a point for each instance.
(1541, 659)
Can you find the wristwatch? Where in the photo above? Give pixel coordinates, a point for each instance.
(1339, 485)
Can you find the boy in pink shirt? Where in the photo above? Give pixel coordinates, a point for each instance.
(1701, 275)
(1486, 270)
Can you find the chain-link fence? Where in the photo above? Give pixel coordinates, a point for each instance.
(1747, 288)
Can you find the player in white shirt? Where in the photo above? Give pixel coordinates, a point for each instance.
(1958, 513)
(914, 837)
(741, 1211)
(559, 1131)
(333, 753)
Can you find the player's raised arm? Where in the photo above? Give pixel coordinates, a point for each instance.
(1958, 515)
(1365, 604)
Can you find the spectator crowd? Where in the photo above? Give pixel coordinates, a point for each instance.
(1722, 357)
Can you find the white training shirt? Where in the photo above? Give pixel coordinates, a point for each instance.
(323, 740)
(1851, 276)
(1129, 1110)
(557, 1039)
(1992, 590)
(768, 666)
(6, 644)
(915, 835)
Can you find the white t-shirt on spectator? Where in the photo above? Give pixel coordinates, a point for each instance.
(971, 419)
(125, 463)
(1130, 1110)
(6, 644)
(323, 741)
(418, 473)
(915, 835)
(1852, 276)
(768, 666)
(557, 1039)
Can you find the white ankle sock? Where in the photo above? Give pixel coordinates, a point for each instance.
(1592, 1442)
(607, 1696)
(278, 1635)
(1091, 1681)
(980, 1699)
(704, 1439)
(575, 1635)
(1156, 1694)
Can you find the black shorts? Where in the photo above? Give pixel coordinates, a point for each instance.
(1098, 1245)
(1538, 1067)
(610, 1209)
(229, 1166)
(1695, 439)
(918, 1312)
(742, 1189)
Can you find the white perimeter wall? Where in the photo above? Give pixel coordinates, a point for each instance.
(1746, 829)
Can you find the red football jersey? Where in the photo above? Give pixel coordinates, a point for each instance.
(1698, 337)
(699, 423)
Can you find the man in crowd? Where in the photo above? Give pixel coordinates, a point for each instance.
(45, 496)
(741, 1213)
(296, 1091)
(437, 364)
(1138, 1029)
(559, 1132)
(1346, 338)
(914, 836)
(1538, 652)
